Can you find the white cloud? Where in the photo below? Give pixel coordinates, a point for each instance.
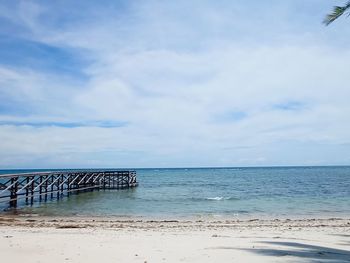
(169, 77)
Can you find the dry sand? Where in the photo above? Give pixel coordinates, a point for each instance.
(127, 240)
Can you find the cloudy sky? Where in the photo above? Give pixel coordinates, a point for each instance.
(173, 84)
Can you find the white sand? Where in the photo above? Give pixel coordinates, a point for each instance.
(106, 240)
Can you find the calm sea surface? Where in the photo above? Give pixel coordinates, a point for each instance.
(283, 192)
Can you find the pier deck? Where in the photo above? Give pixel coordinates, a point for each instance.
(43, 185)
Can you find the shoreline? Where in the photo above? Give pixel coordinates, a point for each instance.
(149, 222)
(22, 213)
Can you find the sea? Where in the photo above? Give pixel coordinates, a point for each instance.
(236, 193)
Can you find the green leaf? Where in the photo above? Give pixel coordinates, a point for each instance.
(338, 11)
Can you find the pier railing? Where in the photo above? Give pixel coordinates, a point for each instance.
(44, 185)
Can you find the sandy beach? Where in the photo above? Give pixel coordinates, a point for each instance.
(45, 239)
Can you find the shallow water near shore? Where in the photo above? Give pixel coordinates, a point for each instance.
(269, 192)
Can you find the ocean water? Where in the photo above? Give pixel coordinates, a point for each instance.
(271, 192)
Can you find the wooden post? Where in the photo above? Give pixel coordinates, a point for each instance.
(68, 186)
(58, 186)
(40, 188)
(46, 183)
(63, 178)
(104, 182)
(27, 190)
(32, 190)
(13, 190)
(52, 179)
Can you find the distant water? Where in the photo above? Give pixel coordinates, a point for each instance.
(283, 192)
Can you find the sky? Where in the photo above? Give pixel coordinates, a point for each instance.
(112, 84)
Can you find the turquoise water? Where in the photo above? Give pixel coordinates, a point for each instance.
(281, 192)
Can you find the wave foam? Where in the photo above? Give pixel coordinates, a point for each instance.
(220, 198)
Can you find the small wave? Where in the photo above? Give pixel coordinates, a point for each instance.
(221, 198)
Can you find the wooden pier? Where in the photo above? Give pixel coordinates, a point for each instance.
(40, 186)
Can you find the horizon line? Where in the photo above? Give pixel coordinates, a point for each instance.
(197, 167)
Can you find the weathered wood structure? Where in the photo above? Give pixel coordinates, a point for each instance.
(43, 185)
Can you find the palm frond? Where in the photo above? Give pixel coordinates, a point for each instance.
(338, 11)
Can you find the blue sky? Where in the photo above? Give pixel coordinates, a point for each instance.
(173, 84)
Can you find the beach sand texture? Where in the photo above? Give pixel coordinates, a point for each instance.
(127, 240)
